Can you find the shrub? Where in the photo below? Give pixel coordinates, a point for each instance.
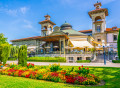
(12, 58)
(83, 61)
(82, 70)
(55, 67)
(116, 61)
(4, 53)
(22, 55)
(47, 59)
(30, 65)
(14, 52)
(118, 44)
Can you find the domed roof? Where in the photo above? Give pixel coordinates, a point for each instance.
(66, 25)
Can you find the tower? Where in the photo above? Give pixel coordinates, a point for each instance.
(46, 26)
(98, 17)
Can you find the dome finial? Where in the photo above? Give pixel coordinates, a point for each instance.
(97, 1)
(65, 22)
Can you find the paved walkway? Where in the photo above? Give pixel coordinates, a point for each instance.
(109, 64)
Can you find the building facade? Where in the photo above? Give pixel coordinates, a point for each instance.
(99, 31)
(61, 41)
(64, 41)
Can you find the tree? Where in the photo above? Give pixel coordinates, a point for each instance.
(4, 49)
(14, 52)
(22, 55)
(118, 44)
(3, 40)
(4, 52)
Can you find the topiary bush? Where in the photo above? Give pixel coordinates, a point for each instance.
(13, 53)
(4, 53)
(22, 55)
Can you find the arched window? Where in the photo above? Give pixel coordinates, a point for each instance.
(98, 18)
(45, 27)
(98, 28)
(50, 28)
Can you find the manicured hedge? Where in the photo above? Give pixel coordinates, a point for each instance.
(83, 61)
(12, 58)
(116, 61)
(47, 59)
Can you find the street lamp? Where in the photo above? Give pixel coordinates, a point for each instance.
(108, 50)
(103, 45)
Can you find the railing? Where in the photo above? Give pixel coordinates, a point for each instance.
(58, 52)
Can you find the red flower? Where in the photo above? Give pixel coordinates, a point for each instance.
(82, 66)
(87, 68)
(79, 68)
(9, 73)
(27, 76)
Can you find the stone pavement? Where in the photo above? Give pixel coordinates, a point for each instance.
(108, 64)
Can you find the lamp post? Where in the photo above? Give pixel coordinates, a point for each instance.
(103, 44)
(108, 50)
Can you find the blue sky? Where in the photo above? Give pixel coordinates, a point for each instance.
(19, 18)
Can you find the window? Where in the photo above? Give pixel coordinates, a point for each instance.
(79, 58)
(98, 38)
(98, 18)
(44, 34)
(114, 37)
(87, 58)
(98, 28)
(70, 59)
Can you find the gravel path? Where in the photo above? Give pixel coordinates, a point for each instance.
(109, 64)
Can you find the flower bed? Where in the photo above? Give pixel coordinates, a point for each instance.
(53, 73)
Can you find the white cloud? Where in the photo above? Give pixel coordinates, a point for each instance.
(14, 12)
(28, 24)
(23, 10)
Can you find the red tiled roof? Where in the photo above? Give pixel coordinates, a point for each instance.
(39, 37)
(111, 29)
(90, 30)
(29, 38)
(47, 21)
(107, 29)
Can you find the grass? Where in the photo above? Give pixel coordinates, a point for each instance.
(116, 61)
(83, 61)
(47, 59)
(109, 74)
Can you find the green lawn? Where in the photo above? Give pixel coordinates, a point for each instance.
(110, 75)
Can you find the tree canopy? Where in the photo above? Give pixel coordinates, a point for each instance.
(3, 40)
